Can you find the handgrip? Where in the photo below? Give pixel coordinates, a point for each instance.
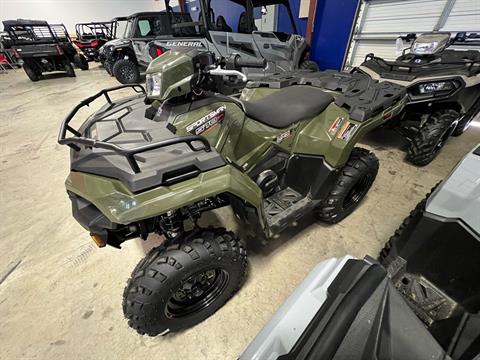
(253, 63)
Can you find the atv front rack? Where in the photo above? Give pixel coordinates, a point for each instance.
(76, 140)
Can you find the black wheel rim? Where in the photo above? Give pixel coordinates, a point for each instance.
(358, 191)
(127, 73)
(196, 293)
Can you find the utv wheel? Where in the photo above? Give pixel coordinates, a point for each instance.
(179, 286)
(126, 71)
(427, 143)
(32, 73)
(353, 183)
(80, 61)
(69, 70)
(309, 65)
(108, 67)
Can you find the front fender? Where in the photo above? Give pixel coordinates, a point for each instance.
(121, 206)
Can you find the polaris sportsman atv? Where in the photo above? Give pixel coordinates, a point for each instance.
(282, 149)
(443, 90)
(149, 35)
(43, 47)
(423, 303)
(92, 36)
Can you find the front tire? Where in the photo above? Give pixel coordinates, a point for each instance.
(176, 287)
(126, 71)
(353, 183)
(309, 65)
(80, 61)
(432, 136)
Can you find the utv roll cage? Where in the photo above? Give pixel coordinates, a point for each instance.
(206, 15)
(35, 31)
(96, 30)
(76, 140)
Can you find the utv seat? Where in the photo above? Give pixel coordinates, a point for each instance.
(221, 24)
(288, 106)
(243, 24)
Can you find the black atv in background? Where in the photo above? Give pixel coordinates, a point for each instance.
(90, 37)
(443, 87)
(43, 47)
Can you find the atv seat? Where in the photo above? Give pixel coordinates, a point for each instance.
(287, 106)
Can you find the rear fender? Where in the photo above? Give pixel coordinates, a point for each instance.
(333, 134)
(121, 206)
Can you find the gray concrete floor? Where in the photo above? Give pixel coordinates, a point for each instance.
(61, 296)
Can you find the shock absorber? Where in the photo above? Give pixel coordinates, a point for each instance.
(171, 224)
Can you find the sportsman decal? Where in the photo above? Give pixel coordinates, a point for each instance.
(207, 122)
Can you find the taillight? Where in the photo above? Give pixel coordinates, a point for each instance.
(94, 43)
(59, 50)
(159, 51)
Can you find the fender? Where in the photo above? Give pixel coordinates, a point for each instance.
(121, 206)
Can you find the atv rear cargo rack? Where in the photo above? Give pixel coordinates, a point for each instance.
(76, 140)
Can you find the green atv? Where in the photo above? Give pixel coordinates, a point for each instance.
(154, 162)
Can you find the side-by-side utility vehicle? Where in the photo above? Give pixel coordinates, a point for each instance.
(92, 36)
(149, 35)
(43, 47)
(443, 89)
(155, 162)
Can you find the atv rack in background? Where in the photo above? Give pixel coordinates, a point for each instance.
(129, 154)
(413, 66)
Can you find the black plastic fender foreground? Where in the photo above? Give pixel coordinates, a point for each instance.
(345, 309)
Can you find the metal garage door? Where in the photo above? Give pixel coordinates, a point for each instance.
(380, 22)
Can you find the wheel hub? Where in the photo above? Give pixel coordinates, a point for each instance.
(196, 292)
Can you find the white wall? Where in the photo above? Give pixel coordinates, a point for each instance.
(71, 12)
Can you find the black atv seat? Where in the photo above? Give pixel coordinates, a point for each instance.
(288, 106)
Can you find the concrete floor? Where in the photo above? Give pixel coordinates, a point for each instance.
(60, 296)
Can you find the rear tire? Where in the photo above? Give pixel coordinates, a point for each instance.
(432, 136)
(32, 72)
(309, 65)
(178, 286)
(80, 61)
(126, 71)
(69, 70)
(353, 183)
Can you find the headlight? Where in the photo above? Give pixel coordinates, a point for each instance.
(433, 87)
(430, 43)
(154, 84)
